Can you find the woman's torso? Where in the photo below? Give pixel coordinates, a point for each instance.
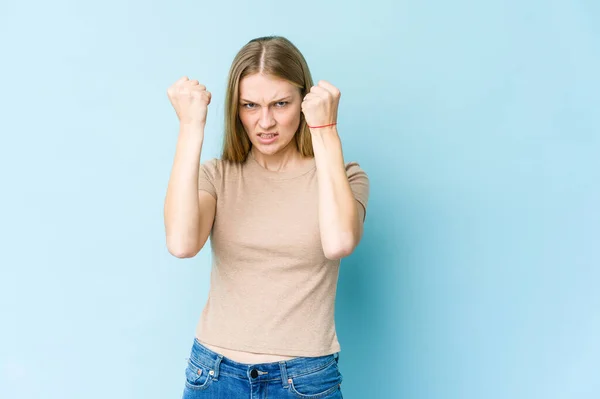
(252, 357)
(268, 252)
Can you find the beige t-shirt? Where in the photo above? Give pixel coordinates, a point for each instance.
(272, 290)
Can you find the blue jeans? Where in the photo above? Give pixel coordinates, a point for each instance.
(210, 375)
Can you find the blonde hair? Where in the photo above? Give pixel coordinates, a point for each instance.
(270, 55)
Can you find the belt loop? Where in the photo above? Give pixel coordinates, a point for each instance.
(284, 376)
(337, 357)
(217, 367)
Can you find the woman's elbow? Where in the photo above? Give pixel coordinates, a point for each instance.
(182, 250)
(340, 249)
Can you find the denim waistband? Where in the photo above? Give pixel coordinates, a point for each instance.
(281, 370)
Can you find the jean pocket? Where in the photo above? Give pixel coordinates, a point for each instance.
(318, 383)
(197, 376)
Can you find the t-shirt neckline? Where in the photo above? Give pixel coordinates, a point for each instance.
(280, 175)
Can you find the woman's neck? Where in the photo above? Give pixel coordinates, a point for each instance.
(288, 159)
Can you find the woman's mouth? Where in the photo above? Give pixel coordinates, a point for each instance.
(267, 138)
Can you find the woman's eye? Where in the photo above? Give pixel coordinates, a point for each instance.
(280, 104)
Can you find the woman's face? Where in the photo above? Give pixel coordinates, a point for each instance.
(270, 110)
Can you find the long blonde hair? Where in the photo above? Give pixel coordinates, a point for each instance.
(270, 55)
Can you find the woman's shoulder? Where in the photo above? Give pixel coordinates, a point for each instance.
(219, 168)
(353, 169)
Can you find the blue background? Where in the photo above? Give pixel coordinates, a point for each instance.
(477, 122)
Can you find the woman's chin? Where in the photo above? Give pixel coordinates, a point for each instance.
(269, 149)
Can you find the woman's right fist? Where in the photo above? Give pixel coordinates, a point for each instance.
(190, 101)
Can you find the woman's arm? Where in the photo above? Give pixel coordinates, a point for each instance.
(340, 219)
(188, 212)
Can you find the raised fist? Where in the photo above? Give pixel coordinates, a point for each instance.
(190, 101)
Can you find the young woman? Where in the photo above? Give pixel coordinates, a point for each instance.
(281, 208)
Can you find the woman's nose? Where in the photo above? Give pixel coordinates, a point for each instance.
(266, 118)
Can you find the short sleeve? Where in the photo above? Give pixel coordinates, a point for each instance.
(359, 184)
(208, 177)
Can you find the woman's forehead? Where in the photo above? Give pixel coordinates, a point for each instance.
(265, 87)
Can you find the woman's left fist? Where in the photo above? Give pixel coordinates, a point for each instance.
(320, 105)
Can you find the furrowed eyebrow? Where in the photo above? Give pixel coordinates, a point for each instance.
(276, 101)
